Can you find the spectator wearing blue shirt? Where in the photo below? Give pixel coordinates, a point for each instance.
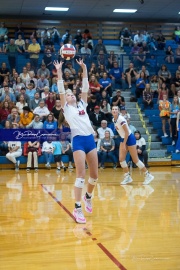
(50, 123)
(105, 84)
(117, 76)
(141, 84)
(57, 152)
(7, 93)
(54, 87)
(30, 91)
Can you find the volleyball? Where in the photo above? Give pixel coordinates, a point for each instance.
(67, 51)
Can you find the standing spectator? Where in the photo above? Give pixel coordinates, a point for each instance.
(32, 155)
(15, 151)
(165, 109)
(117, 76)
(3, 32)
(12, 50)
(55, 35)
(47, 150)
(107, 146)
(34, 50)
(99, 47)
(131, 74)
(173, 117)
(148, 97)
(118, 100)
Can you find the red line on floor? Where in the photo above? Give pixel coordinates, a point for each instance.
(106, 251)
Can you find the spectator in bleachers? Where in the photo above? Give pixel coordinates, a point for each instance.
(177, 81)
(117, 76)
(152, 62)
(172, 90)
(163, 90)
(118, 100)
(105, 84)
(169, 55)
(132, 128)
(28, 66)
(178, 130)
(165, 109)
(21, 103)
(7, 93)
(111, 59)
(131, 75)
(32, 155)
(161, 41)
(49, 45)
(45, 34)
(164, 74)
(4, 71)
(5, 110)
(94, 87)
(55, 35)
(15, 150)
(93, 70)
(5, 84)
(107, 146)
(140, 58)
(30, 91)
(41, 110)
(92, 103)
(125, 38)
(151, 42)
(50, 101)
(66, 149)
(43, 70)
(96, 117)
(47, 150)
(145, 47)
(104, 95)
(17, 86)
(26, 97)
(139, 38)
(36, 123)
(148, 97)
(32, 79)
(178, 71)
(5, 45)
(78, 38)
(173, 116)
(101, 69)
(141, 148)
(144, 69)
(14, 117)
(26, 45)
(34, 50)
(12, 50)
(45, 93)
(177, 53)
(19, 31)
(124, 113)
(66, 37)
(154, 85)
(177, 34)
(42, 83)
(141, 84)
(87, 38)
(20, 43)
(99, 47)
(54, 88)
(47, 60)
(3, 32)
(85, 49)
(50, 122)
(70, 69)
(106, 109)
(56, 109)
(34, 103)
(25, 117)
(135, 50)
(24, 75)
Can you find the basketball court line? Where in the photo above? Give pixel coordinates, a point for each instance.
(100, 245)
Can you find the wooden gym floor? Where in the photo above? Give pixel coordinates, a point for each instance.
(132, 227)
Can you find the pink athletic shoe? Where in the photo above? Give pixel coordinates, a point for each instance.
(79, 216)
(88, 204)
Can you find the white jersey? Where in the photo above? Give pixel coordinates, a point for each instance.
(141, 142)
(78, 119)
(119, 123)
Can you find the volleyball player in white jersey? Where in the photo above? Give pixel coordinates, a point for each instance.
(128, 144)
(83, 143)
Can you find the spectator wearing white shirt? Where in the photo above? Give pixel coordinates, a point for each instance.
(101, 132)
(141, 148)
(41, 110)
(15, 151)
(139, 38)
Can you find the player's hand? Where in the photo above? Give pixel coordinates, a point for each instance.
(81, 63)
(57, 64)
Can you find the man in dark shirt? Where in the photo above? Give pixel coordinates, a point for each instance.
(131, 74)
(96, 117)
(99, 47)
(118, 100)
(69, 80)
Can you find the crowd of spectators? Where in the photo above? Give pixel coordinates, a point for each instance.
(30, 98)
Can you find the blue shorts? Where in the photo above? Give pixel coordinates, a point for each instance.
(131, 140)
(83, 143)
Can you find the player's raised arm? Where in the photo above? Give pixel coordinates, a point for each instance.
(85, 83)
(60, 83)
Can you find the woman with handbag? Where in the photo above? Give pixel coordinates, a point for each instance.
(32, 150)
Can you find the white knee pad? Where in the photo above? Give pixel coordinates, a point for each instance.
(92, 181)
(79, 183)
(140, 164)
(123, 164)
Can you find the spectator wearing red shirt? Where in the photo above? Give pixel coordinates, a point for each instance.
(94, 87)
(50, 101)
(4, 112)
